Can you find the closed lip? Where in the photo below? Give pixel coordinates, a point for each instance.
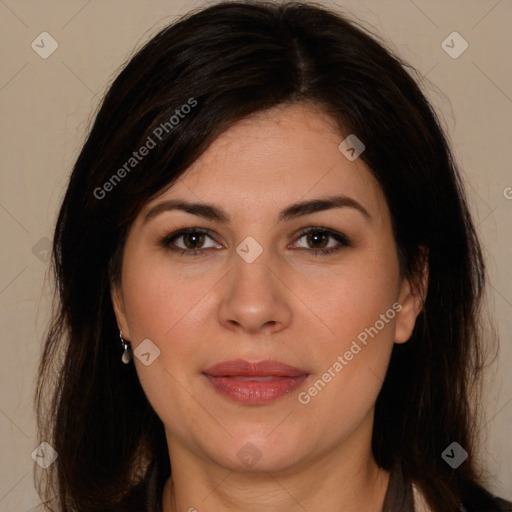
(254, 383)
(243, 368)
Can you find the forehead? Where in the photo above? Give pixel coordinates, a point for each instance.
(277, 157)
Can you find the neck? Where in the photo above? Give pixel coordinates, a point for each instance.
(341, 480)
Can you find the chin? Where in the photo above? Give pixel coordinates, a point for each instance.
(263, 453)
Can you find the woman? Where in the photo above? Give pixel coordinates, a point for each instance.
(267, 227)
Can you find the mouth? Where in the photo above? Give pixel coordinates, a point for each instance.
(254, 383)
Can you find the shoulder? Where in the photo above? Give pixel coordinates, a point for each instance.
(477, 499)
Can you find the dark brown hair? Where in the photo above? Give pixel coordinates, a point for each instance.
(235, 59)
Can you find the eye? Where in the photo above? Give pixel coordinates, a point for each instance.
(193, 241)
(321, 236)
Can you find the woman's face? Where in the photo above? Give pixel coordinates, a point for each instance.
(252, 286)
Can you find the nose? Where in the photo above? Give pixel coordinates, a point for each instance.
(255, 297)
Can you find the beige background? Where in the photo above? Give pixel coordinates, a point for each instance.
(47, 105)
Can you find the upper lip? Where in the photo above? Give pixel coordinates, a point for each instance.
(240, 367)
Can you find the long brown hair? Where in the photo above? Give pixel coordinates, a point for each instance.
(235, 59)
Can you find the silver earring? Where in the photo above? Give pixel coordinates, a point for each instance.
(127, 354)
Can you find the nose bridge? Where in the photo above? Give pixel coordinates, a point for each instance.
(252, 273)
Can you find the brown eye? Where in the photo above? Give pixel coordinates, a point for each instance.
(193, 240)
(318, 240)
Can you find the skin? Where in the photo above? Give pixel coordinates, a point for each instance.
(289, 305)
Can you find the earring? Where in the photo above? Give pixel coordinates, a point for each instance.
(127, 354)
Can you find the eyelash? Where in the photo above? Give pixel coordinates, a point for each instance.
(168, 239)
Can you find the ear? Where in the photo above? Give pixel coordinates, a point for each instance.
(411, 297)
(116, 294)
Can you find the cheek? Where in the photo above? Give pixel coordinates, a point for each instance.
(360, 310)
(160, 304)
(159, 296)
(353, 298)
(353, 364)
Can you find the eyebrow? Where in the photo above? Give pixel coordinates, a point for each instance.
(216, 213)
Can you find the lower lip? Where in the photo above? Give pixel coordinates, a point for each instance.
(255, 392)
